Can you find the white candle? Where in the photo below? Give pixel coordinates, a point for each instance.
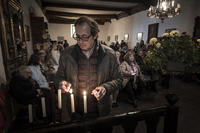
(172, 3)
(178, 6)
(72, 101)
(43, 107)
(85, 101)
(30, 113)
(59, 99)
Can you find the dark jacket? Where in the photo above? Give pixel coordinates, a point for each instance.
(23, 90)
(108, 75)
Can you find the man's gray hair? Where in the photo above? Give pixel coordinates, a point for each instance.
(22, 68)
(93, 24)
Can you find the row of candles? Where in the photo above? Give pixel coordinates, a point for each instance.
(59, 104)
(72, 100)
(30, 108)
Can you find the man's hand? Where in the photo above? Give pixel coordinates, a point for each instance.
(64, 86)
(99, 92)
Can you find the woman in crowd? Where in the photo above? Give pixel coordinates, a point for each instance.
(133, 80)
(55, 56)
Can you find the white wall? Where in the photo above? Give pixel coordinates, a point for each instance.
(2, 70)
(56, 30)
(139, 23)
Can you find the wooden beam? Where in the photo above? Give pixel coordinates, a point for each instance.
(81, 6)
(126, 1)
(94, 16)
(136, 9)
(60, 20)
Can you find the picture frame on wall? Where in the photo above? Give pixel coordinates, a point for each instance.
(60, 38)
(140, 36)
(108, 38)
(169, 30)
(126, 37)
(116, 37)
(152, 30)
(27, 33)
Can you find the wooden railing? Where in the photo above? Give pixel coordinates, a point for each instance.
(150, 116)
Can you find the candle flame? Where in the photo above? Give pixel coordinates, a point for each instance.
(84, 93)
(70, 91)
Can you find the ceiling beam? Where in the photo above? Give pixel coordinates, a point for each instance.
(60, 20)
(136, 9)
(94, 16)
(126, 1)
(82, 6)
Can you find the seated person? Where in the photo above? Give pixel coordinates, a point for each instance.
(34, 64)
(145, 69)
(43, 64)
(133, 80)
(26, 91)
(149, 76)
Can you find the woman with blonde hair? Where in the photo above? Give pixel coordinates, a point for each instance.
(133, 80)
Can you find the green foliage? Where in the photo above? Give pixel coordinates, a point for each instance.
(171, 47)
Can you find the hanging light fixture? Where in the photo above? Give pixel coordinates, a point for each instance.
(164, 9)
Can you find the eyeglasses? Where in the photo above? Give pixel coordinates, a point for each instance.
(81, 38)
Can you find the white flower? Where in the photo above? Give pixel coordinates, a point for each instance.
(158, 45)
(198, 40)
(174, 33)
(165, 35)
(153, 41)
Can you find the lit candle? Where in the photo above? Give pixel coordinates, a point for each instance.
(72, 101)
(59, 99)
(30, 113)
(43, 107)
(172, 3)
(178, 6)
(85, 101)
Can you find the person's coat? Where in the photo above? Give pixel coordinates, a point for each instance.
(108, 74)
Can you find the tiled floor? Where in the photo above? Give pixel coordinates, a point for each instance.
(189, 103)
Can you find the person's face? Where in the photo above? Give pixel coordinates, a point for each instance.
(140, 53)
(42, 57)
(131, 58)
(26, 73)
(84, 31)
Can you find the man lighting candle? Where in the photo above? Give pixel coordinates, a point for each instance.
(92, 67)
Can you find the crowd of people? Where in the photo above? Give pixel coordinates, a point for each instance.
(88, 66)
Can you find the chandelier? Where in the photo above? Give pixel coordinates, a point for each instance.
(164, 9)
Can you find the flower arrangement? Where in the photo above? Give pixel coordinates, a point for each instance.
(174, 48)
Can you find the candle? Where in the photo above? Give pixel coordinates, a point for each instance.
(30, 113)
(43, 107)
(72, 101)
(59, 99)
(85, 101)
(172, 3)
(178, 6)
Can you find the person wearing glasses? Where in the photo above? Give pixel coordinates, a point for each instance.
(91, 67)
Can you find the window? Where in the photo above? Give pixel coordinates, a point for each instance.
(72, 29)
